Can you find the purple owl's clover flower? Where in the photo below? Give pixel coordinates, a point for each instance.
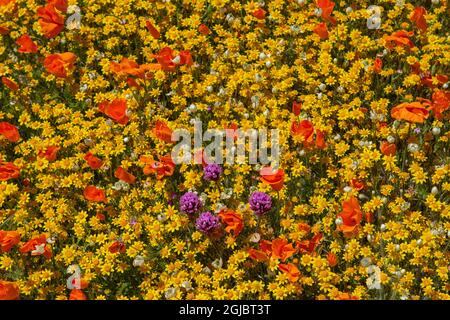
(207, 223)
(212, 172)
(190, 203)
(260, 203)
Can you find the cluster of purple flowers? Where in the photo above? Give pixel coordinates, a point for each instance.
(207, 222)
(260, 202)
(190, 203)
(212, 172)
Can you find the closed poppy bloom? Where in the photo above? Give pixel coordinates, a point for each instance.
(9, 290)
(259, 14)
(10, 84)
(8, 239)
(321, 30)
(351, 216)
(410, 111)
(59, 64)
(133, 84)
(49, 153)
(117, 246)
(164, 167)
(290, 270)
(357, 184)
(327, 7)
(377, 65)
(281, 249)
(116, 110)
(332, 259)
(37, 246)
(9, 131)
(320, 140)
(77, 294)
(50, 20)
(388, 149)
(125, 176)
(274, 178)
(153, 31)
(233, 221)
(186, 58)
(92, 193)
(8, 171)
(203, 29)
(93, 161)
(399, 38)
(418, 17)
(26, 44)
(61, 5)
(162, 131)
(296, 108)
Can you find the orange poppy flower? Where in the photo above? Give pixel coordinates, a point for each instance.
(296, 108)
(418, 17)
(164, 167)
(9, 131)
(388, 149)
(49, 153)
(399, 38)
(77, 294)
(132, 83)
(275, 179)
(130, 67)
(346, 296)
(164, 58)
(257, 255)
(259, 14)
(59, 64)
(9, 290)
(309, 246)
(61, 5)
(303, 128)
(38, 246)
(233, 221)
(116, 110)
(186, 57)
(351, 216)
(162, 131)
(332, 259)
(441, 103)
(378, 65)
(281, 249)
(427, 80)
(92, 193)
(320, 140)
(4, 30)
(125, 176)
(26, 44)
(203, 29)
(291, 270)
(10, 84)
(410, 111)
(117, 246)
(93, 161)
(8, 171)
(153, 31)
(6, 2)
(327, 7)
(50, 20)
(321, 30)
(8, 239)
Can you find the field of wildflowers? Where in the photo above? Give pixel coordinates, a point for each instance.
(93, 205)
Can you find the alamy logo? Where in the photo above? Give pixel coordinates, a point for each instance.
(226, 146)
